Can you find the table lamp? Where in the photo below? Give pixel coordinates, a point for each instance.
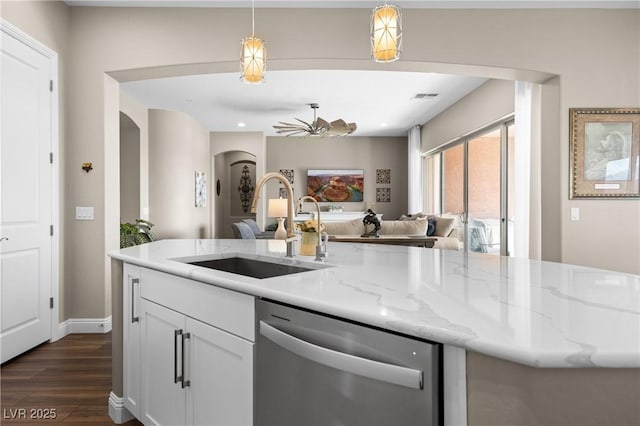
(278, 208)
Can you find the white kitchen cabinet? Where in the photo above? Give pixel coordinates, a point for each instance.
(220, 371)
(197, 352)
(131, 338)
(164, 400)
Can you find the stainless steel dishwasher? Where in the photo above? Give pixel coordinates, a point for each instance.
(317, 370)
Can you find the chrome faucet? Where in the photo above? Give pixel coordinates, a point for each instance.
(320, 253)
(291, 235)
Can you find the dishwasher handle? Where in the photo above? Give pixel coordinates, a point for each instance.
(389, 373)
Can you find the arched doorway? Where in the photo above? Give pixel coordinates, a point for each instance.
(234, 180)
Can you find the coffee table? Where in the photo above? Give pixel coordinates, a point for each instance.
(403, 240)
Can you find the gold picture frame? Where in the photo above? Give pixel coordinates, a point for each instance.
(604, 152)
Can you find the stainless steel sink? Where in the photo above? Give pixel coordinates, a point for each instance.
(251, 267)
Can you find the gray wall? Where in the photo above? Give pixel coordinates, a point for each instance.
(129, 170)
(489, 102)
(352, 152)
(178, 147)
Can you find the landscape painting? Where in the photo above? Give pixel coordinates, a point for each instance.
(336, 186)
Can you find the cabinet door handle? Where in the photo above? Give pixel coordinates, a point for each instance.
(134, 317)
(176, 378)
(185, 382)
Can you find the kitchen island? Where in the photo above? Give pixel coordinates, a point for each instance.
(511, 316)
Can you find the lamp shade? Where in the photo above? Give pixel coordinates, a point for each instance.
(277, 207)
(253, 60)
(386, 33)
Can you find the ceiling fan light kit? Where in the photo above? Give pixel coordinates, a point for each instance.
(319, 126)
(386, 33)
(253, 56)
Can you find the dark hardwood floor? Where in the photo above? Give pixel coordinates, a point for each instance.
(65, 382)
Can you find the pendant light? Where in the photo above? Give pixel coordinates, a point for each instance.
(386, 33)
(253, 56)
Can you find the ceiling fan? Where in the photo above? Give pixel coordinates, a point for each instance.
(318, 127)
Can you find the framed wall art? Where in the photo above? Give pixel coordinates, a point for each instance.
(336, 185)
(383, 195)
(383, 175)
(201, 189)
(288, 173)
(604, 152)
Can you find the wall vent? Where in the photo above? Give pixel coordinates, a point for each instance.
(424, 95)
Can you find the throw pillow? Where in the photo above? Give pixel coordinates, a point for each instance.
(431, 226)
(444, 226)
(253, 225)
(349, 227)
(404, 227)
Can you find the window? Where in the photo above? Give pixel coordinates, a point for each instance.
(473, 177)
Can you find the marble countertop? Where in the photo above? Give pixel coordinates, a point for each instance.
(541, 314)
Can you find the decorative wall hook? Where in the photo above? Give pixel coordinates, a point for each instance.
(87, 167)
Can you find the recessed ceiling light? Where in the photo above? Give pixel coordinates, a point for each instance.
(383, 124)
(241, 124)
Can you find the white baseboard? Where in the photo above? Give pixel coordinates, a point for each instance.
(83, 325)
(117, 411)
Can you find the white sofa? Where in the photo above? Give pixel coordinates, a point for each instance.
(443, 232)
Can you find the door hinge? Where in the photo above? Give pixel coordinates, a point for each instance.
(51, 85)
(51, 158)
(51, 303)
(51, 230)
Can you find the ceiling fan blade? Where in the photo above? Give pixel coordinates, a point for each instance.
(322, 124)
(288, 127)
(288, 132)
(305, 123)
(341, 128)
(339, 124)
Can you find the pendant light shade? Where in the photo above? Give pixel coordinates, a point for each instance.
(386, 33)
(253, 60)
(253, 56)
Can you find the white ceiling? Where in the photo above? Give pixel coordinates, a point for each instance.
(380, 102)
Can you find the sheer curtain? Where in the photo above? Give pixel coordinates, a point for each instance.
(414, 169)
(527, 170)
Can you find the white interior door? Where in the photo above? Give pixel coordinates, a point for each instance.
(27, 197)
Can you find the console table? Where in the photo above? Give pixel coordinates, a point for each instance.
(403, 240)
(333, 216)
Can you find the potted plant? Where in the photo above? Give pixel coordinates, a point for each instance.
(132, 234)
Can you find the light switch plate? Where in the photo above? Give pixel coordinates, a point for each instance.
(575, 214)
(84, 213)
